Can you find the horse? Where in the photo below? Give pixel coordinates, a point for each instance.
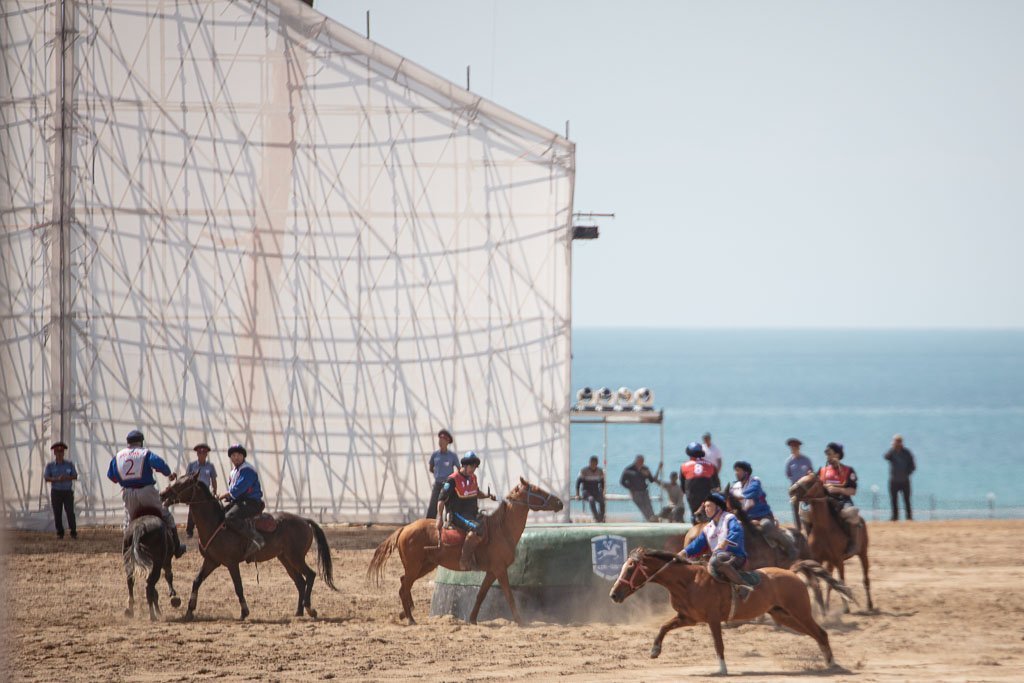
(826, 539)
(149, 545)
(219, 545)
(698, 598)
(422, 551)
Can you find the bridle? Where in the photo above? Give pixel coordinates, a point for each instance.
(641, 570)
(193, 483)
(805, 488)
(530, 495)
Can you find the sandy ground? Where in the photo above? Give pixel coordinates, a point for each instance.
(943, 615)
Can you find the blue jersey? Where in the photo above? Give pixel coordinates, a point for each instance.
(57, 469)
(244, 483)
(133, 468)
(207, 472)
(726, 527)
(754, 492)
(444, 463)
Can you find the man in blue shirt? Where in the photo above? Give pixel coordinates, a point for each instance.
(207, 474)
(749, 491)
(797, 465)
(60, 474)
(246, 497)
(133, 468)
(441, 464)
(722, 536)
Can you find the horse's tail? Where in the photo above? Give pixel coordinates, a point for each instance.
(323, 555)
(814, 572)
(375, 571)
(136, 554)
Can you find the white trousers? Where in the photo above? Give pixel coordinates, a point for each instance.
(145, 497)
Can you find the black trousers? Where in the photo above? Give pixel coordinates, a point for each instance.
(432, 505)
(597, 506)
(63, 502)
(895, 488)
(242, 510)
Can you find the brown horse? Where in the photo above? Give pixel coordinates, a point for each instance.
(149, 545)
(827, 539)
(219, 545)
(419, 547)
(698, 598)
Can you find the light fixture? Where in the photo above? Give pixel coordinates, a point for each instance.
(585, 399)
(604, 397)
(644, 397)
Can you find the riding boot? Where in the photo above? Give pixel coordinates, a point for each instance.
(467, 561)
(779, 539)
(731, 573)
(256, 542)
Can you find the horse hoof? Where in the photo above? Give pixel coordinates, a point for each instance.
(655, 651)
(175, 601)
(245, 613)
(311, 612)
(189, 617)
(129, 613)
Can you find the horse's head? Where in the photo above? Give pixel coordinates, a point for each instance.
(807, 487)
(186, 489)
(640, 567)
(534, 497)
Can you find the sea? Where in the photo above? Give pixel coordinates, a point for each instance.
(956, 396)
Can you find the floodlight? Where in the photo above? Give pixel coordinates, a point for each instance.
(604, 397)
(644, 397)
(624, 395)
(585, 399)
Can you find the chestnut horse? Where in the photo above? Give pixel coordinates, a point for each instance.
(827, 539)
(698, 598)
(421, 552)
(219, 545)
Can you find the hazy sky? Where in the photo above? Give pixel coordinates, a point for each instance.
(799, 164)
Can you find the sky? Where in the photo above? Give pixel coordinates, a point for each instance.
(770, 165)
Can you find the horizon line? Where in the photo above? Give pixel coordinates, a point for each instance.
(799, 328)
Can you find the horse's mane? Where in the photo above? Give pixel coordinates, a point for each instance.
(661, 555)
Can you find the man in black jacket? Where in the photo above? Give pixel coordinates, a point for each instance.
(635, 479)
(901, 466)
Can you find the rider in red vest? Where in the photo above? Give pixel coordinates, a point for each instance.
(700, 478)
(459, 495)
(840, 483)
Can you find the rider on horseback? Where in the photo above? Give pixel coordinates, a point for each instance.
(132, 468)
(246, 496)
(840, 483)
(748, 489)
(459, 495)
(723, 536)
(700, 477)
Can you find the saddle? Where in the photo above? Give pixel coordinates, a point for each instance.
(452, 536)
(147, 512)
(265, 523)
(752, 579)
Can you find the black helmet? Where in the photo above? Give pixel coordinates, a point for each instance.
(695, 450)
(837, 448)
(135, 436)
(716, 498)
(470, 459)
(743, 465)
(238, 448)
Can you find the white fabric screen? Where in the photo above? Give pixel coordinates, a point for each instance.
(240, 221)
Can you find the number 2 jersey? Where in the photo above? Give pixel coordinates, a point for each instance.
(133, 467)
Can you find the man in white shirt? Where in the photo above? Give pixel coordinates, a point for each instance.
(711, 452)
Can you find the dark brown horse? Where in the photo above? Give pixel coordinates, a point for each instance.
(421, 552)
(219, 545)
(827, 539)
(698, 598)
(149, 545)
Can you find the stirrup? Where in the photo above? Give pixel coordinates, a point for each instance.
(743, 591)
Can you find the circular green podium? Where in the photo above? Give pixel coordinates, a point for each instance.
(562, 574)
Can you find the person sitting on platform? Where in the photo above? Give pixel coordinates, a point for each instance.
(722, 536)
(675, 511)
(747, 489)
(460, 495)
(591, 480)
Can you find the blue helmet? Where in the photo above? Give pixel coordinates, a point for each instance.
(695, 450)
(470, 458)
(716, 498)
(135, 436)
(743, 465)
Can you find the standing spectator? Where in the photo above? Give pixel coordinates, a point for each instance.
(711, 452)
(591, 479)
(441, 464)
(635, 479)
(675, 511)
(207, 474)
(700, 478)
(797, 465)
(901, 466)
(60, 474)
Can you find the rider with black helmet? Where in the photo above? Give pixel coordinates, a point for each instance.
(700, 477)
(459, 495)
(246, 496)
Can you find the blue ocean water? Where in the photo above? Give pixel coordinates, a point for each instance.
(956, 396)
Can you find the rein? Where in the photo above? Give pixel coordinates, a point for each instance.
(531, 494)
(194, 484)
(647, 578)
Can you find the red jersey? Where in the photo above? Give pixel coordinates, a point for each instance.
(838, 475)
(465, 487)
(697, 468)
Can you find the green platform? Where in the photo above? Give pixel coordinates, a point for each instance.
(562, 575)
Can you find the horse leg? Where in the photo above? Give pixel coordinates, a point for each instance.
(298, 580)
(310, 576)
(806, 625)
(204, 571)
(864, 569)
(152, 595)
(842, 577)
(169, 578)
(485, 586)
(236, 578)
(716, 634)
(509, 598)
(677, 621)
(130, 611)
